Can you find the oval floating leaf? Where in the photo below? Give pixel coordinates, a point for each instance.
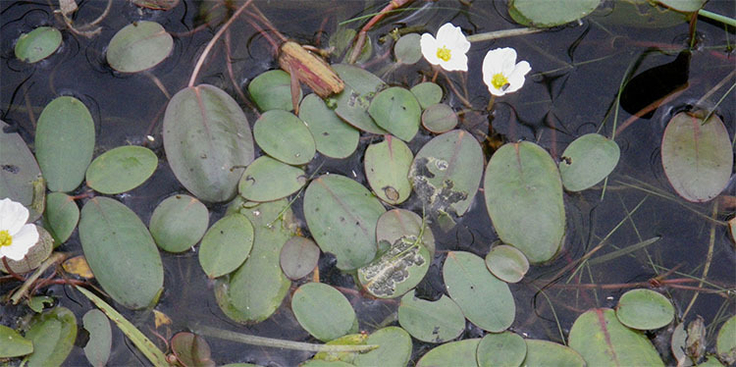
(542, 14)
(254, 291)
(431, 322)
(267, 179)
(178, 223)
(139, 46)
(523, 193)
(62, 216)
(685, 6)
(191, 350)
(697, 157)
(322, 311)
(644, 309)
(486, 301)
(207, 139)
(504, 349)
(332, 136)
(285, 137)
(726, 342)
(121, 253)
(53, 334)
(342, 216)
(386, 167)
(427, 94)
(407, 49)
(272, 91)
(507, 263)
(396, 271)
(99, 344)
(446, 172)
(396, 110)
(36, 255)
(18, 171)
(403, 225)
(588, 160)
(460, 353)
(298, 257)
(226, 245)
(353, 102)
(38, 44)
(394, 348)
(121, 169)
(14, 344)
(65, 139)
(547, 353)
(602, 340)
(439, 118)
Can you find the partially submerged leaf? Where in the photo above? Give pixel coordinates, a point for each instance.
(62, 216)
(272, 91)
(18, 170)
(207, 140)
(726, 342)
(507, 263)
(439, 118)
(403, 225)
(542, 14)
(407, 49)
(121, 169)
(65, 140)
(191, 350)
(14, 344)
(459, 353)
(427, 94)
(99, 344)
(298, 257)
(504, 349)
(38, 44)
(547, 353)
(386, 168)
(685, 6)
(226, 245)
(322, 311)
(353, 102)
(394, 348)
(139, 46)
(53, 334)
(267, 179)
(431, 321)
(697, 156)
(332, 136)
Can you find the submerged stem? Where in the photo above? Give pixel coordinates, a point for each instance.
(488, 36)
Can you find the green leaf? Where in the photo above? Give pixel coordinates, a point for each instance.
(121, 169)
(65, 140)
(254, 291)
(342, 216)
(544, 14)
(603, 341)
(143, 344)
(139, 46)
(13, 345)
(587, 161)
(62, 215)
(332, 136)
(407, 49)
(523, 193)
(226, 245)
(191, 350)
(394, 348)
(446, 172)
(267, 179)
(272, 91)
(504, 349)
(485, 300)
(460, 353)
(285, 137)
(427, 93)
(99, 344)
(121, 253)
(396, 110)
(386, 167)
(53, 334)
(207, 140)
(178, 223)
(38, 44)
(697, 157)
(401, 224)
(298, 257)
(685, 6)
(431, 321)
(726, 342)
(19, 171)
(644, 309)
(322, 311)
(547, 353)
(439, 118)
(507, 263)
(353, 102)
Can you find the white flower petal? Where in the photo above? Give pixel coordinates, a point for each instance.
(492, 63)
(429, 47)
(457, 62)
(13, 216)
(508, 60)
(23, 240)
(516, 79)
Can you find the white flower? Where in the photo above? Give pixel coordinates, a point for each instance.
(501, 72)
(448, 50)
(16, 237)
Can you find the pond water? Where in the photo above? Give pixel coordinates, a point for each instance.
(576, 74)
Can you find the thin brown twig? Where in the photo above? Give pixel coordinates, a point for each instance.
(708, 260)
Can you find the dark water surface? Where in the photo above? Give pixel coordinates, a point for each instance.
(575, 77)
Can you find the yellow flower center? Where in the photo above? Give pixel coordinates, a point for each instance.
(5, 238)
(443, 53)
(499, 81)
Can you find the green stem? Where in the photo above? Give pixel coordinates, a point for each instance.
(488, 36)
(56, 257)
(717, 17)
(277, 343)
